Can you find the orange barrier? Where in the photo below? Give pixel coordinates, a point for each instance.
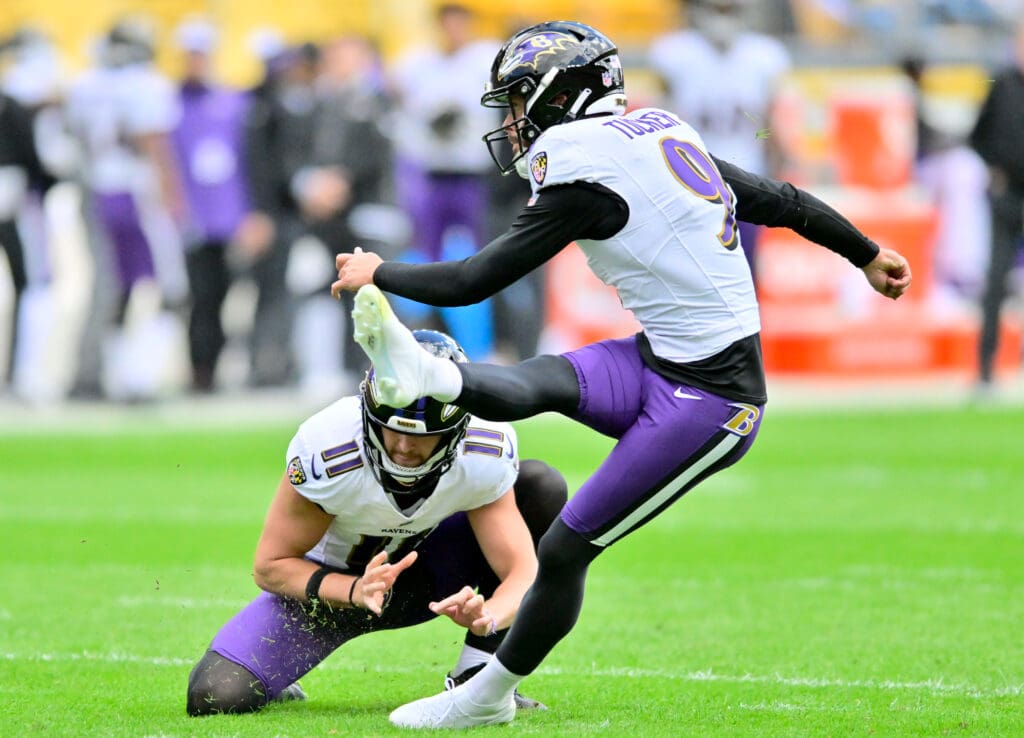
(820, 316)
(792, 271)
(872, 138)
(901, 342)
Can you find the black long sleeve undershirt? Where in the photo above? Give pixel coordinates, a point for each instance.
(769, 202)
(581, 210)
(559, 216)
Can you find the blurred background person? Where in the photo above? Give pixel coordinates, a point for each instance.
(279, 129)
(722, 78)
(209, 148)
(955, 178)
(443, 166)
(51, 222)
(344, 193)
(997, 139)
(519, 309)
(123, 111)
(21, 172)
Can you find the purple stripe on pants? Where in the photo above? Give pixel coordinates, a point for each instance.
(671, 437)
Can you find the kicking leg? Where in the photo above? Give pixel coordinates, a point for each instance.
(548, 613)
(405, 371)
(641, 477)
(541, 493)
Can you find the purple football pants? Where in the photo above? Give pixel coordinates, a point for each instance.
(670, 438)
(436, 203)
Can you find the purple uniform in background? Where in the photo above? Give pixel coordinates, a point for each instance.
(208, 142)
(439, 201)
(111, 109)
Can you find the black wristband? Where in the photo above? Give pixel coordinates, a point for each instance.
(313, 585)
(352, 591)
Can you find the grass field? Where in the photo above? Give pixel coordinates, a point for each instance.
(859, 573)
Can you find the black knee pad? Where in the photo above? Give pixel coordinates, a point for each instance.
(217, 685)
(541, 493)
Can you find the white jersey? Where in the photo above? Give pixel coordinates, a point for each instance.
(428, 84)
(676, 264)
(108, 109)
(327, 465)
(725, 94)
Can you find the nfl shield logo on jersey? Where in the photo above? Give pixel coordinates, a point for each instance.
(296, 474)
(539, 167)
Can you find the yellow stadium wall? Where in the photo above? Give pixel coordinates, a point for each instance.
(393, 24)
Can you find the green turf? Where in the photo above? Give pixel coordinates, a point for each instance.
(859, 573)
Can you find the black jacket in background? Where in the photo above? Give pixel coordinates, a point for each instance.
(17, 142)
(998, 135)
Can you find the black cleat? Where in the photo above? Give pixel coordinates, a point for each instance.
(522, 701)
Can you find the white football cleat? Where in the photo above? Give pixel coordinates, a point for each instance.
(452, 709)
(522, 701)
(292, 693)
(399, 362)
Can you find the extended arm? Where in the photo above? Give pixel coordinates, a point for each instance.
(293, 526)
(506, 543)
(557, 216)
(770, 202)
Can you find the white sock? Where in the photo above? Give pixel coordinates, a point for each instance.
(492, 685)
(443, 381)
(469, 658)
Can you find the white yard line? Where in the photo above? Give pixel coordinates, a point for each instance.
(937, 686)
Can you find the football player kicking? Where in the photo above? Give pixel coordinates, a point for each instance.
(385, 518)
(656, 216)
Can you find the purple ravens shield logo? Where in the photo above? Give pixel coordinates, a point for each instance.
(539, 167)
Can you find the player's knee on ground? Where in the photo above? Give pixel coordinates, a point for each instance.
(217, 685)
(541, 493)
